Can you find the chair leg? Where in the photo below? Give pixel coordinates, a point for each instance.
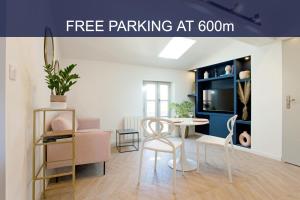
(141, 163)
(205, 152)
(104, 168)
(227, 158)
(155, 161)
(232, 146)
(174, 171)
(181, 158)
(198, 155)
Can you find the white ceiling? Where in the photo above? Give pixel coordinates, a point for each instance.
(144, 51)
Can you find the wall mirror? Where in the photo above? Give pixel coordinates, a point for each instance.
(48, 47)
(56, 66)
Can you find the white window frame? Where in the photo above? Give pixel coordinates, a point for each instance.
(157, 99)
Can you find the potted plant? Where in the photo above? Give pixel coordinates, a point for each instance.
(184, 109)
(60, 82)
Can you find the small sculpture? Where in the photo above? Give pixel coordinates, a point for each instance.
(245, 139)
(206, 74)
(228, 69)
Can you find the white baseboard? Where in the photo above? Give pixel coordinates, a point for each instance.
(249, 150)
(267, 155)
(253, 151)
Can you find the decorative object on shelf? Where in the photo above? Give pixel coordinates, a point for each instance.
(182, 110)
(60, 83)
(245, 74)
(245, 139)
(48, 47)
(228, 69)
(244, 95)
(206, 75)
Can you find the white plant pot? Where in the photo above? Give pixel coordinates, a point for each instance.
(58, 105)
(58, 102)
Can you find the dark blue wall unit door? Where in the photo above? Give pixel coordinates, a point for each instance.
(218, 125)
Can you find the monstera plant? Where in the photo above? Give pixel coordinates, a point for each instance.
(60, 82)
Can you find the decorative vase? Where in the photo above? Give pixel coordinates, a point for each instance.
(58, 102)
(206, 74)
(245, 74)
(228, 69)
(244, 95)
(245, 139)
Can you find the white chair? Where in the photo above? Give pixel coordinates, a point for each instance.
(212, 140)
(157, 138)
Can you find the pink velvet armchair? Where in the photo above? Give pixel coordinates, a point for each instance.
(92, 145)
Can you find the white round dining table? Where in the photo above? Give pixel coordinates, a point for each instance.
(182, 123)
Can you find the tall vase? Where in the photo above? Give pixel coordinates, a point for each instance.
(245, 113)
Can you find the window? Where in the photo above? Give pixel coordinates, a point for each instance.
(156, 99)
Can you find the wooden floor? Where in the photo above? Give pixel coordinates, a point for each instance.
(254, 177)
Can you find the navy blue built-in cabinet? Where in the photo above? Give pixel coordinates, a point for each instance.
(216, 98)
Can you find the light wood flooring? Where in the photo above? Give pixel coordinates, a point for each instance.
(254, 177)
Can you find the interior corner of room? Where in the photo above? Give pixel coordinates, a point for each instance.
(123, 80)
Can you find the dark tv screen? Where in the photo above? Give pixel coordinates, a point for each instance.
(218, 100)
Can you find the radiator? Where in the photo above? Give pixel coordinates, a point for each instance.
(133, 123)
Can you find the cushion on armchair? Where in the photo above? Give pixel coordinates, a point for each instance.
(63, 122)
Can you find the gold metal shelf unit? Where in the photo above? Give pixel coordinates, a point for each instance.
(47, 138)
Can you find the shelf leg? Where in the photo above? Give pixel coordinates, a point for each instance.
(73, 154)
(44, 172)
(44, 156)
(33, 156)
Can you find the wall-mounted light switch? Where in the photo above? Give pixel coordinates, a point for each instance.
(12, 73)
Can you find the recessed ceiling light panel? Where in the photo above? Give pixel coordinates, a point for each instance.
(176, 47)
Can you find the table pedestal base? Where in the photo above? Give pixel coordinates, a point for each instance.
(188, 165)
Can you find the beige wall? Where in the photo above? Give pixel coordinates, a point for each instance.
(112, 91)
(27, 92)
(2, 117)
(266, 93)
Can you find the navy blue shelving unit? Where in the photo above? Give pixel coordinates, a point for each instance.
(218, 80)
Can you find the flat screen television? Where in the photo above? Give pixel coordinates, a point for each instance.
(218, 100)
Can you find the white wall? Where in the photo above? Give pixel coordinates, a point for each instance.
(266, 93)
(2, 117)
(111, 91)
(27, 92)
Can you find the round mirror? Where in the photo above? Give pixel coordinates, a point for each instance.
(48, 47)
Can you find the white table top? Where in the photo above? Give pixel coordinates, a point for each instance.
(189, 121)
